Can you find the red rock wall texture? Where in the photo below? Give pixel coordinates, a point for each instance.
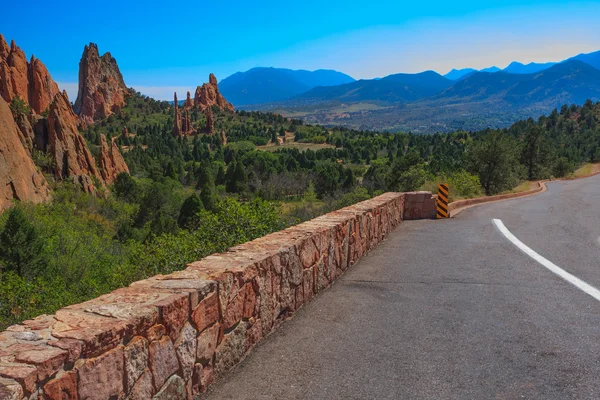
(169, 337)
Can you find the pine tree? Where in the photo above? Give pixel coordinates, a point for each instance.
(208, 195)
(20, 245)
(190, 207)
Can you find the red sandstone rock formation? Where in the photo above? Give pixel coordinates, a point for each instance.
(208, 95)
(223, 138)
(102, 90)
(30, 81)
(110, 160)
(68, 147)
(182, 123)
(186, 124)
(210, 121)
(42, 89)
(19, 177)
(188, 101)
(176, 117)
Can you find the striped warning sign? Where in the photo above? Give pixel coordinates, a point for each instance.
(442, 201)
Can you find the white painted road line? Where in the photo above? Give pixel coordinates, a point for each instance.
(589, 289)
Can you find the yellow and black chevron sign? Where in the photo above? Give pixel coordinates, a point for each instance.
(442, 201)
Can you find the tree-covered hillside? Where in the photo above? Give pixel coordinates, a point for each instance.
(190, 196)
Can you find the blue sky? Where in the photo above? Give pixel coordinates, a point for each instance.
(161, 48)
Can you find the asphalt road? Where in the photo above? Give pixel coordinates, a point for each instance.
(450, 310)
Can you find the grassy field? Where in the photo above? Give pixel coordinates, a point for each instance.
(299, 146)
(586, 169)
(291, 144)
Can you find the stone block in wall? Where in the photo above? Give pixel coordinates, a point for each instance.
(24, 374)
(185, 347)
(173, 389)
(143, 388)
(101, 377)
(10, 389)
(206, 312)
(162, 360)
(207, 344)
(62, 387)
(231, 350)
(136, 361)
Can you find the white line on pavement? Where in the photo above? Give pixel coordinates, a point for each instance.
(589, 289)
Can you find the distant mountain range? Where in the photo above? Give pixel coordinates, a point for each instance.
(516, 67)
(423, 102)
(266, 85)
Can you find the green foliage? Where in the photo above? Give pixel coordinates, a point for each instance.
(189, 211)
(494, 159)
(43, 160)
(20, 245)
(19, 107)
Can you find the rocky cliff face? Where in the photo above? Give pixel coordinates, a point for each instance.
(57, 134)
(19, 177)
(182, 123)
(208, 95)
(102, 90)
(68, 148)
(205, 98)
(110, 160)
(28, 80)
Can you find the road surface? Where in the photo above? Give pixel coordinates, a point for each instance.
(450, 310)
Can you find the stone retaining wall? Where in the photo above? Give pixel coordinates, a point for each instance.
(168, 337)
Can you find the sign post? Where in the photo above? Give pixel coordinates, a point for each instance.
(442, 201)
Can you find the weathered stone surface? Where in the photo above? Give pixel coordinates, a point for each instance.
(72, 346)
(42, 88)
(207, 344)
(101, 377)
(110, 160)
(208, 95)
(207, 377)
(174, 389)
(176, 117)
(174, 311)
(47, 360)
(207, 312)
(25, 374)
(68, 148)
(210, 121)
(136, 361)
(156, 332)
(143, 388)
(188, 101)
(19, 177)
(203, 377)
(102, 90)
(96, 333)
(231, 350)
(185, 347)
(63, 387)
(10, 390)
(163, 360)
(29, 81)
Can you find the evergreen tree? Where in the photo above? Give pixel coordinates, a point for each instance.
(494, 160)
(205, 176)
(189, 209)
(20, 245)
(536, 153)
(220, 180)
(208, 195)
